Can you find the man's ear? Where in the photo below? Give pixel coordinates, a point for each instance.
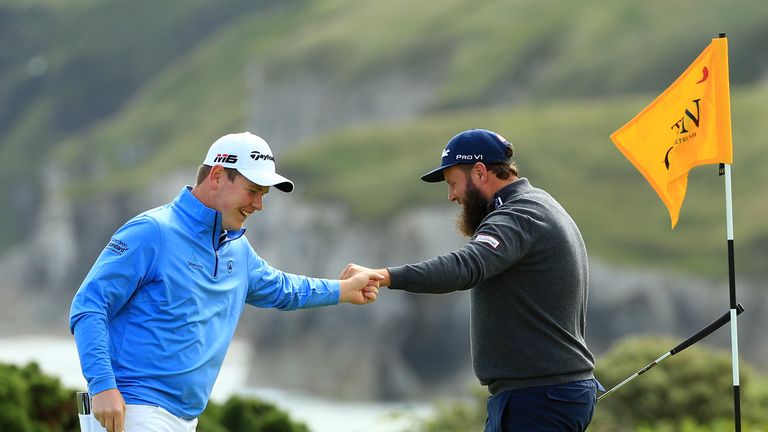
(216, 175)
(481, 171)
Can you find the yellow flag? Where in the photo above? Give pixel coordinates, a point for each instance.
(686, 126)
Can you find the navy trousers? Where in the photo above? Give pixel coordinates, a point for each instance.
(561, 407)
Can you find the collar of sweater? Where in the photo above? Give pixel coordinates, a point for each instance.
(517, 187)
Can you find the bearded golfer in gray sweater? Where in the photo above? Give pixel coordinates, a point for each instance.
(526, 266)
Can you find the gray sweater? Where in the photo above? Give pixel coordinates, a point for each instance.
(527, 267)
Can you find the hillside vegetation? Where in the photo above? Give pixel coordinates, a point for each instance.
(126, 96)
(565, 149)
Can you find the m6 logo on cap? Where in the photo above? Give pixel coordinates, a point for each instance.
(225, 158)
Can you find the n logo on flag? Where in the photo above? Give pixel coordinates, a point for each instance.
(688, 125)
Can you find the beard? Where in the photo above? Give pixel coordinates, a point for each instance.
(474, 209)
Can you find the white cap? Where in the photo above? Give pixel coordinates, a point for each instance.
(251, 156)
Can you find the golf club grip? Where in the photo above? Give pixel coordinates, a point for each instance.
(706, 330)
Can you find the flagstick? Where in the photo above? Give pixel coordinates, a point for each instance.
(732, 285)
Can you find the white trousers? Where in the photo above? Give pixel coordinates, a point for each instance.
(143, 418)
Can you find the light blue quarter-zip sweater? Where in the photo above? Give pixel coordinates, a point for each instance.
(155, 315)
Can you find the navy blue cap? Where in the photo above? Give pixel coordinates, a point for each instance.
(469, 147)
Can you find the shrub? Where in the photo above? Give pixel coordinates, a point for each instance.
(456, 416)
(691, 391)
(31, 401)
(247, 414)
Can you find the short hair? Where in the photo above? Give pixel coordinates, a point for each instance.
(204, 170)
(502, 170)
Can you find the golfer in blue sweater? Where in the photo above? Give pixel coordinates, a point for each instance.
(155, 315)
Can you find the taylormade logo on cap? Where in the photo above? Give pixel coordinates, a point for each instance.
(256, 156)
(251, 156)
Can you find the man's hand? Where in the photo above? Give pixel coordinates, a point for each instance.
(360, 288)
(108, 407)
(353, 269)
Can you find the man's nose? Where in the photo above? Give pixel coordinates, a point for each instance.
(258, 202)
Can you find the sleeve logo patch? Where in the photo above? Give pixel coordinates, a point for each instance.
(488, 240)
(117, 247)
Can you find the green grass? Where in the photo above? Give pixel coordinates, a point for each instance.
(171, 122)
(551, 76)
(565, 149)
